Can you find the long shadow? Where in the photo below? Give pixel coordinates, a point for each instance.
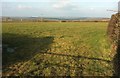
(78, 68)
(79, 57)
(18, 48)
(26, 47)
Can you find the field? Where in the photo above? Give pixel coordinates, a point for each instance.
(56, 49)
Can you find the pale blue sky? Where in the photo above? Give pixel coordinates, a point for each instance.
(59, 8)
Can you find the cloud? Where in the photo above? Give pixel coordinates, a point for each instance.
(64, 5)
(23, 7)
(92, 9)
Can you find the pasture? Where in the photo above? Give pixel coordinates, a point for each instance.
(56, 49)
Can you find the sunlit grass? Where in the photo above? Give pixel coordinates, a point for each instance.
(55, 48)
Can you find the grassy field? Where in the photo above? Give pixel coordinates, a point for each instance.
(56, 49)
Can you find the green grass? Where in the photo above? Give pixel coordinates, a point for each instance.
(53, 48)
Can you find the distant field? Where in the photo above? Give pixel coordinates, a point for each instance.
(53, 48)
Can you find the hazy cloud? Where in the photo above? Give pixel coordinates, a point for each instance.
(59, 8)
(92, 9)
(64, 5)
(23, 7)
(57, 0)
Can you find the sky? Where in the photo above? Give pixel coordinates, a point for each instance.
(59, 8)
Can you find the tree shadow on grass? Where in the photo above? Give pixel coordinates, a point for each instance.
(26, 47)
(78, 68)
(18, 48)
